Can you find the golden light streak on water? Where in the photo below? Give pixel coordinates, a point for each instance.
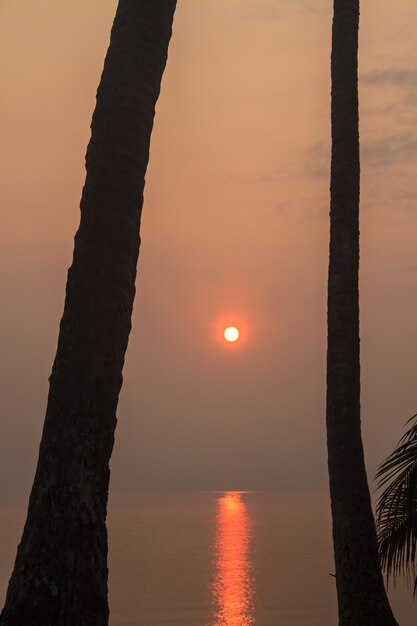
(232, 587)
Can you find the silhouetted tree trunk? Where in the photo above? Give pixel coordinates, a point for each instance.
(60, 575)
(361, 595)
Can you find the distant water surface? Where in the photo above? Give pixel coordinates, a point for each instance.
(216, 559)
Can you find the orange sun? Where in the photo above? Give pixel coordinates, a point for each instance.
(231, 334)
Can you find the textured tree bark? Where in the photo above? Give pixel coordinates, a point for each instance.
(362, 599)
(60, 574)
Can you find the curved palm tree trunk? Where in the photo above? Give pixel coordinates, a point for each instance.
(361, 595)
(60, 574)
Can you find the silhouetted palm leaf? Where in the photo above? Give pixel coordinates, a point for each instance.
(397, 508)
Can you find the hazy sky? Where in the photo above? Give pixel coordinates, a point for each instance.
(235, 230)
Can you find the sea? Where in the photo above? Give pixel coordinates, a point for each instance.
(226, 558)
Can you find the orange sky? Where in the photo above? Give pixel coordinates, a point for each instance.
(235, 230)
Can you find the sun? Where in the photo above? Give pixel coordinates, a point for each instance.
(231, 334)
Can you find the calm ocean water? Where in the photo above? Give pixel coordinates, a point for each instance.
(216, 559)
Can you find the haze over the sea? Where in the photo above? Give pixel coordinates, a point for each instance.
(235, 232)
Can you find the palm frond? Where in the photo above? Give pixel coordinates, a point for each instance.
(396, 511)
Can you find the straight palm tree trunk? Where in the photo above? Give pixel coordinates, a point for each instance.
(60, 574)
(362, 599)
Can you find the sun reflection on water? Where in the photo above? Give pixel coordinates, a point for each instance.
(232, 587)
